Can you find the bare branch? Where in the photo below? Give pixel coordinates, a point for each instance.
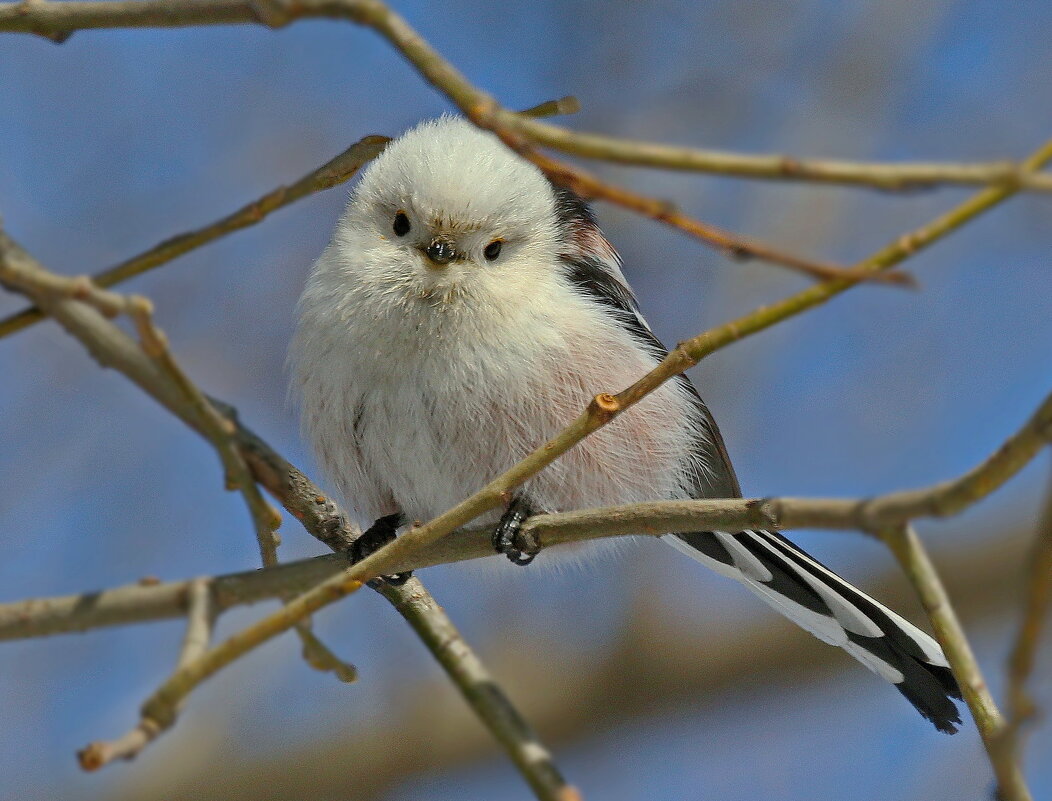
(775, 167)
(199, 618)
(477, 686)
(553, 108)
(216, 428)
(332, 173)
(148, 601)
(1036, 605)
(137, 603)
(730, 244)
(477, 105)
(914, 560)
(57, 21)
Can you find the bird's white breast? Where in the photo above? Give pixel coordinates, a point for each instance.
(414, 403)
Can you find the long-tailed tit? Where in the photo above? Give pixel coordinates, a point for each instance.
(464, 313)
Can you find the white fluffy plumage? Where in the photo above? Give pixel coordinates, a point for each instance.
(419, 384)
(465, 312)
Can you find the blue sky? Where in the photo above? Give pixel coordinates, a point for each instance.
(116, 140)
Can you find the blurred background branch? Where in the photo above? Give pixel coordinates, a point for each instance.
(1022, 710)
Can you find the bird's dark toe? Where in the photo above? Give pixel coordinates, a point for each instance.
(509, 539)
(374, 538)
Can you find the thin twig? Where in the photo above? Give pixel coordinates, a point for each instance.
(475, 683)
(735, 246)
(553, 108)
(332, 173)
(304, 500)
(218, 430)
(1037, 602)
(199, 619)
(57, 21)
(429, 63)
(909, 551)
(901, 176)
(161, 707)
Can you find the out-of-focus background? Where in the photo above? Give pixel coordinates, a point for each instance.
(648, 675)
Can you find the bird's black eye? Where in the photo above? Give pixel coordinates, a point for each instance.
(492, 249)
(401, 224)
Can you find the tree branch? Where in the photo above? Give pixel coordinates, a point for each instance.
(477, 686)
(1036, 605)
(58, 20)
(909, 551)
(81, 308)
(140, 603)
(733, 245)
(333, 173)
(775, 167)
(199, 619)
(429, 63)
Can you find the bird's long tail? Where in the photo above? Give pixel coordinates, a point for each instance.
(814, 597)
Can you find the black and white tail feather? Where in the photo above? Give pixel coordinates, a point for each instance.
(772, 567)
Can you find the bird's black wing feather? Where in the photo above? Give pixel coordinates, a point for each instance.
(793, 573)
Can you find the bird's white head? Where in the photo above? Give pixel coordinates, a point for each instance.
(448, 210)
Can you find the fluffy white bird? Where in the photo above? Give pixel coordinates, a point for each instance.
(464, 313)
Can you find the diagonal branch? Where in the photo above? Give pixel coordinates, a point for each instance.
(199, 619)
(332, 173)
(894, 176)
(81, 308)
(917, 565)
(730, 244)
(58, 20)
(478, 687)
(1036, 605)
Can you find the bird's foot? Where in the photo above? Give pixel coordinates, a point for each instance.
(374, 538)
(508, 537)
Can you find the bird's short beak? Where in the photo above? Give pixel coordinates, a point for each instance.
(440, 251)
